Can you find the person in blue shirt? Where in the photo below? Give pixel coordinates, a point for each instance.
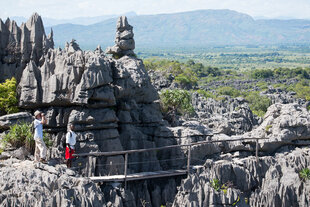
(40, 149)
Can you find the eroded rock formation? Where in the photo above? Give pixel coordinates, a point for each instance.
(20, 44)
(114, 107)
(45, 185)
(124, 42)
(273, 182)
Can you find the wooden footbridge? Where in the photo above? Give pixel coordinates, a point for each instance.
(156, 174)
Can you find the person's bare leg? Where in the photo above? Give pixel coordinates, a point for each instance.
(69, 163)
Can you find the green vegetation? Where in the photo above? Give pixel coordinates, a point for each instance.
(8, 100)
(261, 74)
(262, 85)
(258, 104)
(206, 94)
(268, 127)
(228, 91)
(236, 58)
(20, 135)
(190, 73)
(184, 73)
(302, 90)
(304, 174)
(281, 73)
(215, 184)
(176, 100)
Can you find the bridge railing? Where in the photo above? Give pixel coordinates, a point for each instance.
(188, 146)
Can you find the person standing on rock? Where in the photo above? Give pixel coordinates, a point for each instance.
(70, 142)
(40, 149)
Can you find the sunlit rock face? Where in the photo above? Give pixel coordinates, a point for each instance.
(20, 44)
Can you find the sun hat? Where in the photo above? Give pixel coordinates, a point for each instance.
(36, 113)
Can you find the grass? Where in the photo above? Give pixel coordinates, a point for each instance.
(304, 174)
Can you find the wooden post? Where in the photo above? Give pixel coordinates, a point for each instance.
(256, 153)
(188, 159)
(125, 170)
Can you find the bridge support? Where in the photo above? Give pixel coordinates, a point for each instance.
(125, 169)
(256, 152)
(188, 159)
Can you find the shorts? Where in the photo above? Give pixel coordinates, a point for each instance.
(69, 154)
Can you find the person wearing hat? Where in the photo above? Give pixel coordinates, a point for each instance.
(40, 149)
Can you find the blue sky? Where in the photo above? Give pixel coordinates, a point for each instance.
(66, 9)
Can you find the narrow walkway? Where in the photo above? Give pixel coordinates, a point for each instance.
(157, 174)
(138, 176)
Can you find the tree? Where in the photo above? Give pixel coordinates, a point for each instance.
(176, 100)
(8, 100)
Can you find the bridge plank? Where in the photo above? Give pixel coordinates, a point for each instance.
(138, 176)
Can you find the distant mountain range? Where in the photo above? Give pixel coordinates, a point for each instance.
(49, 22)
(189, 29)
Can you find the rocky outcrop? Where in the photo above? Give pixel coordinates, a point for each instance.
(230, 116)
(159, 81)
(284, 124)
(8, 120)
(124, 42)
(111, 102)
(274, 181)
(19, 45)
(24, 183)
(278, 95)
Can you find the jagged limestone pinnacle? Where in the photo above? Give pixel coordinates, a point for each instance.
(124, 41)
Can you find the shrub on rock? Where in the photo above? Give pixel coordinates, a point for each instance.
(258, 104)
(8, 100)
(21, 135)
(176, 100)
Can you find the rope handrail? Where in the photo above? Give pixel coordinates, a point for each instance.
(115, 153)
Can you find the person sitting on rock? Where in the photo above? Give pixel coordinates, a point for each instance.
(70, 142)
(40, 148)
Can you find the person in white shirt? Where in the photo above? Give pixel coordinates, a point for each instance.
(40, 149)
(70, 142)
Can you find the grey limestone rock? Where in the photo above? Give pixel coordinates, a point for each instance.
(274, 182)
(28, 184)
(19, 45)
(8, 120)
(283, 124)
(230, 116)
(124, 42)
